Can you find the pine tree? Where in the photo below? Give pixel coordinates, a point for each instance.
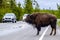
(58, 6)
(28, 6)
(12, 4)
(1, 3)
(37, 9)
(19, 11)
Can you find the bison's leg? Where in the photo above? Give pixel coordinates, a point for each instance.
(51, 31)
(54, 30)
(38, 29)
(53, 26)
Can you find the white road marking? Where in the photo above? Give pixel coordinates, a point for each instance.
(58, 31)
(43, 33)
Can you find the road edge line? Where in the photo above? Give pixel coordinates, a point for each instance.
(43, 33)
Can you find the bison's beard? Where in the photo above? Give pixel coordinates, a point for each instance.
(30, 22)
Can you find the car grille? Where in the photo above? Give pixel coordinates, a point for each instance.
(7, 18)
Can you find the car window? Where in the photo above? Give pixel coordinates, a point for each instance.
(9, 15)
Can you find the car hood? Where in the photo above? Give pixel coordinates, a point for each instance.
(8, 17)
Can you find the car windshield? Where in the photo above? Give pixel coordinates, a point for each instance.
(9, 14)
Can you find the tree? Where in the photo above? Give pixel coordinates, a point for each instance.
(12, 4)
(58, 15)
(19, 11)
(37, 9)
(0, 3)
(28, 6)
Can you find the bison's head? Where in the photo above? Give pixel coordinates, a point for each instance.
(30, 18)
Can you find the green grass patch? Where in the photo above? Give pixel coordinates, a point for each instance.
(58, 23)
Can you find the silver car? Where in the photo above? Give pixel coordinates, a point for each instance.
(9, 17)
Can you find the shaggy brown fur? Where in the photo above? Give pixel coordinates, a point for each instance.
(42, 20)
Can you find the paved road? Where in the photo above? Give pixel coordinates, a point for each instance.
(48, 37)
(24, 31)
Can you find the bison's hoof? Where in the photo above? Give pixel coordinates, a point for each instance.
(37, 34)
(50, 33)
(54, 34)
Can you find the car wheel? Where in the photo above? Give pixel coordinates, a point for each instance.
(13, 21)
(3, 21)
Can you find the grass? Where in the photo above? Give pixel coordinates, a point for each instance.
(58, 23)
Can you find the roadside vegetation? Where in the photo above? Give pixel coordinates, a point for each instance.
(27, 8)
(58, 23)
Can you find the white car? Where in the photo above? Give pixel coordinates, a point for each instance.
(9, 17)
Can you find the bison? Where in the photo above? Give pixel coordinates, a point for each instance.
(42, 20)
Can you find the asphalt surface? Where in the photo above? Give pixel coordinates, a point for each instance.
(24, 31)
(56, 37)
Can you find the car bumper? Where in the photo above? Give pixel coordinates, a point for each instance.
(7, 20)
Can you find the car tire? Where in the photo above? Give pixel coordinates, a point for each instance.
(3, 21)
(13, 21)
